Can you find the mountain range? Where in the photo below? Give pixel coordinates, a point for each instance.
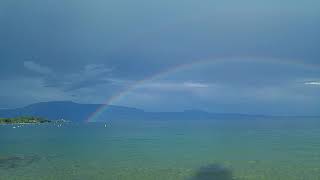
(76, 112)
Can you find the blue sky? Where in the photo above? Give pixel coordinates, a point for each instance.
(263, 55)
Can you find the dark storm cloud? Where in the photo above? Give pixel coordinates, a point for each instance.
(88, 51)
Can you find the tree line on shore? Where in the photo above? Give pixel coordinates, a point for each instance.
(23, 119)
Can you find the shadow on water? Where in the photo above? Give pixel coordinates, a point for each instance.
(12, 162)
(212, 172)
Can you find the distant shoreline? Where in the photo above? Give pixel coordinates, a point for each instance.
(23, 120)
(21, 123)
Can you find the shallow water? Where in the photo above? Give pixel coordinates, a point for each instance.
(218, 149)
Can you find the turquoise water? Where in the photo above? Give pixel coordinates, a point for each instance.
(219, 149)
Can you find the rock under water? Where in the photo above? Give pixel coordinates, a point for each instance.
(11, 162)
(213, 172)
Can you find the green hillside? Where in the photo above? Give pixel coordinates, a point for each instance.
(23, 119)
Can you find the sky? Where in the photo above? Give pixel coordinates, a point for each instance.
(250, 56)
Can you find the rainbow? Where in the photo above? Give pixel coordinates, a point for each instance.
(122, 94)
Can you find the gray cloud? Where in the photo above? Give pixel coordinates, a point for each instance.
(32, 66)
(89, 76)
(26, 90)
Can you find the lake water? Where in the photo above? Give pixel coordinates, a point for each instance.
(269, 149)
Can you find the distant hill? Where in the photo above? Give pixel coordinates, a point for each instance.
(70, 111)
(80, 112)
